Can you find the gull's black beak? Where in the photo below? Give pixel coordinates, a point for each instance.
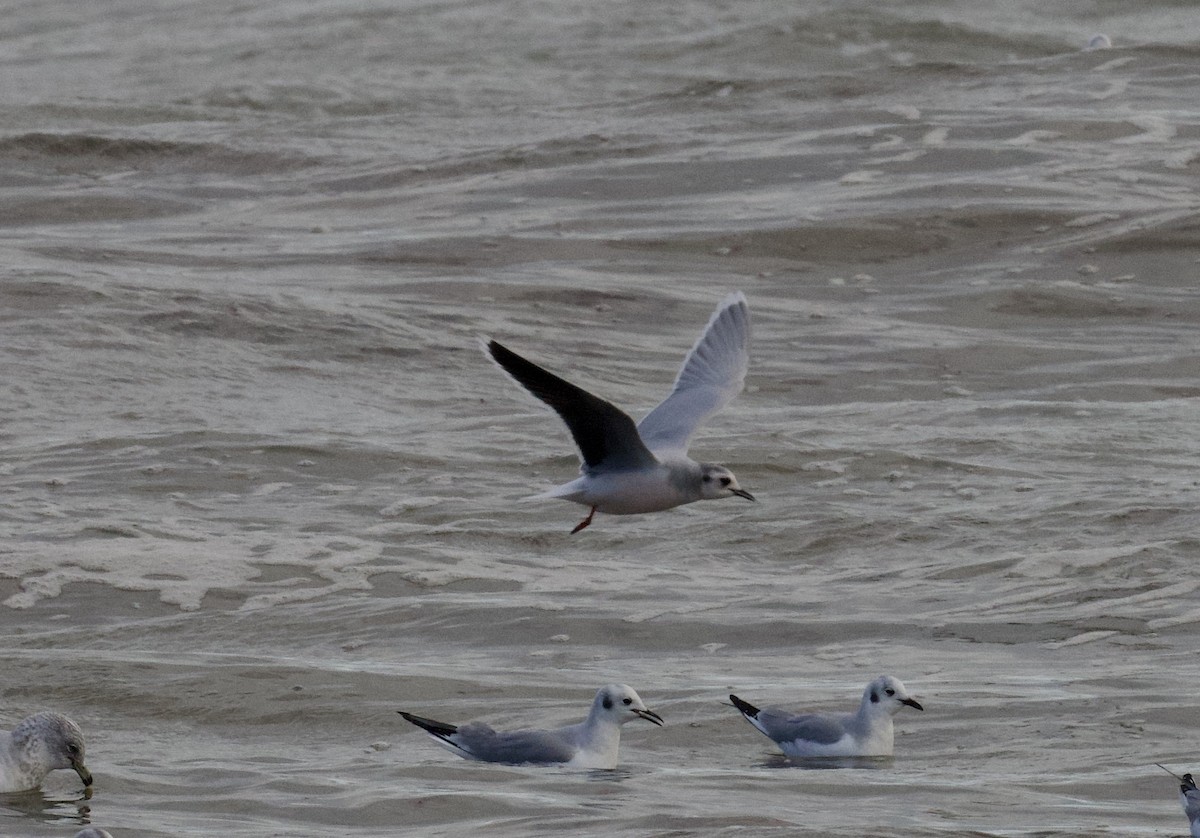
(650, 716)
(912, 702)
(742, 493)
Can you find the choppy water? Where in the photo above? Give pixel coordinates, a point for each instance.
(260, 488)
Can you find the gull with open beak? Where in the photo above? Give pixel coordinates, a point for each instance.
(867, 733)
(592, 743)
(629, 469)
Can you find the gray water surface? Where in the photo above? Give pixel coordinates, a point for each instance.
(260, 489)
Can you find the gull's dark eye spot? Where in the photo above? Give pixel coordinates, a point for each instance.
(72, 749)
(627, 701)
(707, 478)
(607, 703)
(890, 691)
(874, 698)
(724, 481)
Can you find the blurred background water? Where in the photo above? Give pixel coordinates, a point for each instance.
(260, 488)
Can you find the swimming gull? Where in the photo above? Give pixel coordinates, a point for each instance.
(628, 469)
(38, 745)
(1189, 798)
(592, 743)
(867, 733)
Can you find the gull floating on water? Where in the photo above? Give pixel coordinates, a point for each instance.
(93, 832)
(629, 469)
(38, 745)
(867, 733)
(1189, 799)
(592, 743)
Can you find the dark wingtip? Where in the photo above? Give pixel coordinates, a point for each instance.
(744, 707)
(432, 725)
(497, 353)
(500, 353)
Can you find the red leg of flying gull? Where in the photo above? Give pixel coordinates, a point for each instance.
(584, 522)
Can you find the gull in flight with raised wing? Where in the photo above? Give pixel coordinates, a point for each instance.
(629, 469)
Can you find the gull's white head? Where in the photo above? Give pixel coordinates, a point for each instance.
(887, 695)
(619, 704)
(719, 482)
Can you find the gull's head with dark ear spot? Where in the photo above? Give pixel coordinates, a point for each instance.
(621, 704)
(719, 482)
(887, 695)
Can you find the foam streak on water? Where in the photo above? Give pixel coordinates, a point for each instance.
(260, 488)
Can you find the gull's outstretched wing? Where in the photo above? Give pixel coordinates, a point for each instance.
(713, 372)
(605, 435)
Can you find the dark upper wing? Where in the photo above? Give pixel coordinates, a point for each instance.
(605, 434)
